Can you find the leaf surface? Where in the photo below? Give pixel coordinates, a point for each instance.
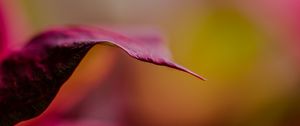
(31, 77)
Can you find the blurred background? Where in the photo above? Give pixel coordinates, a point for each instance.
(248, 50)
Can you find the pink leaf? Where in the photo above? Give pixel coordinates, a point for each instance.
(31, 77)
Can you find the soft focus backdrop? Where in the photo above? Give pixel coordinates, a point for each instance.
(248, 50)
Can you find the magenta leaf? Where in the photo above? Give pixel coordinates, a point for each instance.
(31, 77)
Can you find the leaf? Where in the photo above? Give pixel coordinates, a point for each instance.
(32, 76)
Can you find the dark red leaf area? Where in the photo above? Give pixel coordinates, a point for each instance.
(32, 79)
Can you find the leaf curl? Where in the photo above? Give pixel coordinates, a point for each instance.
(31, 77)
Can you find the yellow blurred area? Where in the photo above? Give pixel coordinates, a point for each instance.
(252, 79)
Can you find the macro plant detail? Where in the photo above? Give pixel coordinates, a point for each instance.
(106, 63)
(31, 77)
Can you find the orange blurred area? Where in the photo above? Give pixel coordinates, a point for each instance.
(248, 50)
